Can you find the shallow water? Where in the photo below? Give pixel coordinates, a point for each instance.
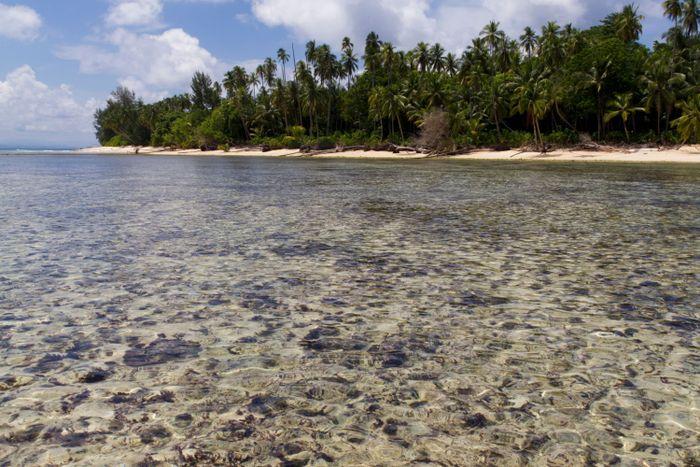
(225, 310)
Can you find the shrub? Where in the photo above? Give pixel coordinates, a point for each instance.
(356, 138)
(116, 142)
(291, 142)
(325, 142)
(562, 137)
(297, 132)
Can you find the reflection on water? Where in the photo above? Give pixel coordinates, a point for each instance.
(298, 311)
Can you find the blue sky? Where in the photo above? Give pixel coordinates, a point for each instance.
(60, 59)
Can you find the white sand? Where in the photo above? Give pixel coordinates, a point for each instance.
(684, 154)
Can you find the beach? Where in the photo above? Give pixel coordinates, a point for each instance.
(683, 154)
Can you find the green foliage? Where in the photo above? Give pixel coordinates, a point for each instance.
(562, 138)
(296, 131)
(533, 89)
(116, 142)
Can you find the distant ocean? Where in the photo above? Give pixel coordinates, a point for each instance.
(13, 151)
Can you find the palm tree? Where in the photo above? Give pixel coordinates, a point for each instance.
(254, 81)
(531, 91)
(283, 57)
(691, 16)
(422, 54)
(528, 41)
(389, 103)
(497, 91)
(269, 71)
(347, 44)
(348, 59)
(387, 57)
(673, 10)
(437, 58)
(372, 48)
(621, 106)
(451, 64)
(349, 64)
(628, 24)
(688, 124)
(550, 46)
(492, 34)
(310, 53)
(596, 79)
(234, 80)
(660, 82)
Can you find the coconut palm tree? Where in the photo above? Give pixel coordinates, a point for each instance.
(673, 10)
(621, 106)
(387, 57)
(254, 81)
(389, 103)
(528, 41)
(691, 17)
(492, 34)
(310, 53)
(349, 64)
(497, 91)
(269, 71)
(437, 58)
(661, 82)
(283, 58)
(628, 23)
(234, 80)
(550, 45)
(422, 54)
(688, 124)
(451, 64)
(596, 79)
(531, 97)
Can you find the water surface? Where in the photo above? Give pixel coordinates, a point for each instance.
(266, 311)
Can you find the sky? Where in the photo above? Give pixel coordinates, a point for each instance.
(60, 59)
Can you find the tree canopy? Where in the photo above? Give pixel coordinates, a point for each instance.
(541, 87)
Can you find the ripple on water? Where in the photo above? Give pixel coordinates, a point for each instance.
(227, 311)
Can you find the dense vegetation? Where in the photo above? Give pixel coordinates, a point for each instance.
(542, 88)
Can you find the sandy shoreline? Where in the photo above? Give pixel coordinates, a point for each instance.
(684, 154)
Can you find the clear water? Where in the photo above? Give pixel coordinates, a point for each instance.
(263, 311)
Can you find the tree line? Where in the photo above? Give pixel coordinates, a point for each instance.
(546, 87)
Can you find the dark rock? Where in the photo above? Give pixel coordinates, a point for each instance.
(317, 333)
(183, 420)
(683, 324)
(328, 344)
(28, 435)
(94, 376)
(161, 351)
(390, 429)
(267, 405)
(476, 421)
(152, 434)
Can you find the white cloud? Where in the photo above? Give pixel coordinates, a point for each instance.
(34, 111)
(134, 12)
(151, 64)
(452, 22)
(19, 22)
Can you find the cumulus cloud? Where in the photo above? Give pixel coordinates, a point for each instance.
(405, 22)
(134, 12)
(30, 107)
(19, 22)
(151, 64)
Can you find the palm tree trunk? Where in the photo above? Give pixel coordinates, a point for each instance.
(398, 119)
(627, 135)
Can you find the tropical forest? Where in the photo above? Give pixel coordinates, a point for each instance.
(557, 86)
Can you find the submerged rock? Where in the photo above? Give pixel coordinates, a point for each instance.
(161, 351)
